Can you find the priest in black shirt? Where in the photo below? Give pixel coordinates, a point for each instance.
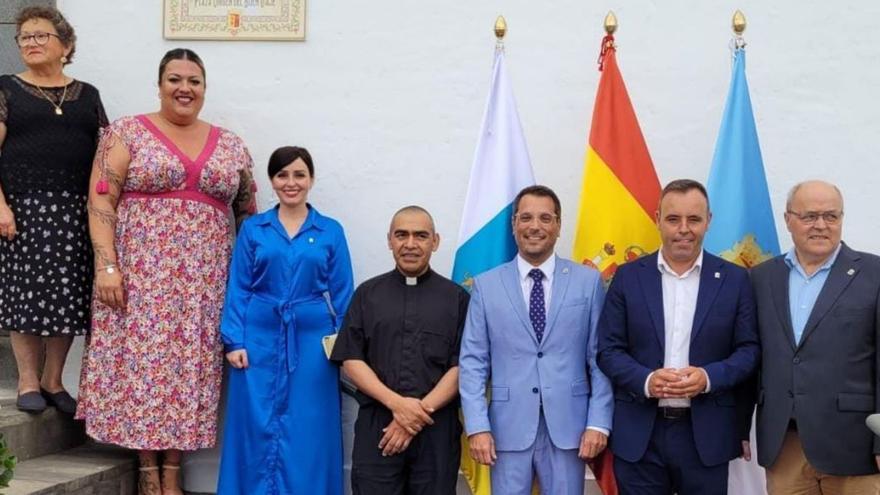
(399, 345)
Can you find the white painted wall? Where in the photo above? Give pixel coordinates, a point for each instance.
(388, 95)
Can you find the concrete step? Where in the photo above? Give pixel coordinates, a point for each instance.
(8, 395)
(34, 435)
(85, 470)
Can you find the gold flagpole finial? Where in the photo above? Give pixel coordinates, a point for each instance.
(739, 22)
(500, 28)
(610, 23)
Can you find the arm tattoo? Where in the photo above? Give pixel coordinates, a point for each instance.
(245, 203)
(115, 179)
(105, 216)
(103, 256)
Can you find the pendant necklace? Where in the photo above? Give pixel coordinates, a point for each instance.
(58, 110)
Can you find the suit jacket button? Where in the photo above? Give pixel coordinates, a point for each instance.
(540, 354)
(535, 390)
(796, 360)
(790, 393)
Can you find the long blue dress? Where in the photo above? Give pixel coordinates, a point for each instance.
(282, 433)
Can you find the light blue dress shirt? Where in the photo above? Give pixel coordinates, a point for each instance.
(803, 290)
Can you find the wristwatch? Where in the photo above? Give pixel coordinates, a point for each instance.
(110, 269)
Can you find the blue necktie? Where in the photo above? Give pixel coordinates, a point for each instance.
(537, 312)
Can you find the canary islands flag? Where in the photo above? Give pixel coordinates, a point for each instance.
(500, 170)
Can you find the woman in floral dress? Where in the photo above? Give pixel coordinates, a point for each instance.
(162, 188)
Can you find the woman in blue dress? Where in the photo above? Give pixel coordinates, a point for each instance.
(290, 276)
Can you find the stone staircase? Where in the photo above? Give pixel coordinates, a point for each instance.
(53, 455)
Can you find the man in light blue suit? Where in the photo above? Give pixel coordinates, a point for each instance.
(531, 332)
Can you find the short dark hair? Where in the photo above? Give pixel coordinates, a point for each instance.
(682, 186)
(180, 54)
(53, 15)
(286, 155)
(414, 209)
(540, 191)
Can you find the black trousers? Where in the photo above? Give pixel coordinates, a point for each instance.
(670, 465)
(429, 466)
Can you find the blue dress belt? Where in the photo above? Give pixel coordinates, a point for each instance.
(288, 325)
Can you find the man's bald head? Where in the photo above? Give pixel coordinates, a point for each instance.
(412, 210)
(810, 186)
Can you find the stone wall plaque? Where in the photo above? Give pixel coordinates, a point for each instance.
(235, 20)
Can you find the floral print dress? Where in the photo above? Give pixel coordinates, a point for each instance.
(151, 373)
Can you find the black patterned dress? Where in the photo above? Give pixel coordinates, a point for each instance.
(46, 270)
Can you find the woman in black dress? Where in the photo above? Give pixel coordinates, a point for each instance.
(49, 124)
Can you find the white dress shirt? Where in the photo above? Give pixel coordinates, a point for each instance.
(526, 282)
(679, 305)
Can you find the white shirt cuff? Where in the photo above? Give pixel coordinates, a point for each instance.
(600, 430)
(647, 381)
(708, 382)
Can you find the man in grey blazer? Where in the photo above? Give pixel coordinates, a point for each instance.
(531, 330)
(819, 322)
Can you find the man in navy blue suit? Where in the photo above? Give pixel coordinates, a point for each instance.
(678, 340)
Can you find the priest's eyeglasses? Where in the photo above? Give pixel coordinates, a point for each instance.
(543, 218)
(811, 217)
(40, 38)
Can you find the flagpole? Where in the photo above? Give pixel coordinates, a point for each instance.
(500, 29)
(608, 41)
(738, 24)
(610, 23)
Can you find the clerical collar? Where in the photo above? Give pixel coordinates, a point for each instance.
(412, 280)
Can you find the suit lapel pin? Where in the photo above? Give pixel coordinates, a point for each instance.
(565, 270)
(717, 274)
(311, 240)
(851, 271)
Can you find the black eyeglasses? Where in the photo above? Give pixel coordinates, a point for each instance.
(543, 218)
(811, 217)
(40, 38)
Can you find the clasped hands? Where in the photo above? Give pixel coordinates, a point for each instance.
(411, 415)
(671, 383)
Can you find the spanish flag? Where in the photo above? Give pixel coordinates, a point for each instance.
(620, 191)
(619, 196)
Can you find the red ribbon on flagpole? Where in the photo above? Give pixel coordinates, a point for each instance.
(607, 44)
